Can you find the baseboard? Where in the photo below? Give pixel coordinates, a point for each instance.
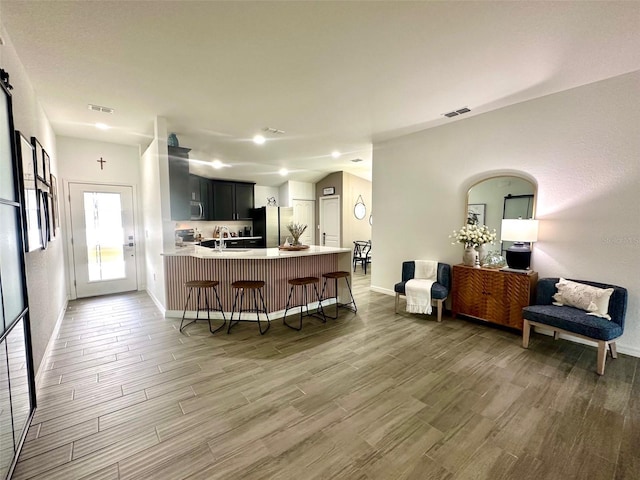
(163, 310)
(47, 350)
(384, 291)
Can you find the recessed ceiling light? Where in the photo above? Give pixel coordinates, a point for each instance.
(102, 126)
(335, 154)
(259, 139)
(217, 164)
(284, 172)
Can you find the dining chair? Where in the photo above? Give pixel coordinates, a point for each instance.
(361, 254)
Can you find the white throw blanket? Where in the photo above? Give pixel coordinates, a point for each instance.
(418, 289)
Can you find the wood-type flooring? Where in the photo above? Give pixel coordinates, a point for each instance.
(372, 395)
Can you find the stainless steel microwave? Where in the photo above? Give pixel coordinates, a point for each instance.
(197, 211)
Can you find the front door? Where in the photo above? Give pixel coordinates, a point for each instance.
(330, 221)
(102, 227)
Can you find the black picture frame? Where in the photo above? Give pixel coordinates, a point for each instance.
(47, 166)
(30, 211)
(51, 222)
(41, 161)
(43, 205)
(56, 211)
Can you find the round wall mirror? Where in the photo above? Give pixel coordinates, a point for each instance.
(495, 198)
(360, 210)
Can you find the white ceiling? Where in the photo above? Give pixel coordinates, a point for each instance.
(332, 75)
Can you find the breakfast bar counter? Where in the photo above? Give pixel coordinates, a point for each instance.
(272, 265)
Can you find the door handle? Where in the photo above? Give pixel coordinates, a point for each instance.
(324, 238)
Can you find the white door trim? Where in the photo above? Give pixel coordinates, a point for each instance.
(66, 228)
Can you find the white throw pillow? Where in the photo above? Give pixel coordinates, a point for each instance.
(593, 300)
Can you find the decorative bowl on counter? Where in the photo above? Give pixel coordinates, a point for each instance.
(293, 247)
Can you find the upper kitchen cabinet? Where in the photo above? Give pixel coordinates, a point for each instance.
(179, 190)
(200, 198)
(232, 200)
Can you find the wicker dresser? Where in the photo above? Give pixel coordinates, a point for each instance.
(492, 295)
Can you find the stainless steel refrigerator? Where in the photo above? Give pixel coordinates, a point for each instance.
(270, 223)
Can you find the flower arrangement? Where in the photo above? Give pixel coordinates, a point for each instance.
(473, 235)
(296, 230)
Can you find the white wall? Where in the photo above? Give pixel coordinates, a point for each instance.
(156, 215)
(353, 229)
(261, 193)
(78, 163)
(45, 268)
(582, 148)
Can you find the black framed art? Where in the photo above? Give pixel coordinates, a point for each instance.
(43, 206)
(56, 211)
(30, 212)
(41, 161)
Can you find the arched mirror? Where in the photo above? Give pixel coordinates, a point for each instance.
(501, 197)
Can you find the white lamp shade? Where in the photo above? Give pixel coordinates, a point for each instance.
(519, 230)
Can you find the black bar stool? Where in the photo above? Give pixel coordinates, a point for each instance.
(200, 285)
(254, 285)
(335, 276)
(303, 282)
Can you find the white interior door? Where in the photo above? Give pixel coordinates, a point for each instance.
(330, 221)
(102, 229)
(304, 213)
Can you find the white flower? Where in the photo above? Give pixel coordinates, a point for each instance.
(474, 235)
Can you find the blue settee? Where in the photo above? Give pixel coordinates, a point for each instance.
(576, 322)
(439, 290)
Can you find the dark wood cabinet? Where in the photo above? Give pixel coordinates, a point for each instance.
(232, 200)
(179, 188)
(492, 295)
(244, 200)
(200, 189)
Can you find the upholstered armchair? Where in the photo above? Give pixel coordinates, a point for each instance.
(576, 321)
(439, 290)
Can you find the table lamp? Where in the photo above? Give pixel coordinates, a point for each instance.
(523, 233)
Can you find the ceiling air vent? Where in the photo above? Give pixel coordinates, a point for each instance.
(98, 108)
(356, 160)
(273, 130)
(455, 113)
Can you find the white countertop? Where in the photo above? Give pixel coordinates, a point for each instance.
(250, 253)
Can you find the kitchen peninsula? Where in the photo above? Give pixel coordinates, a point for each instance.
(272, 265)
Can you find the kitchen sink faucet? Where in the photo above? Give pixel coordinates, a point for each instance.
(221, 245)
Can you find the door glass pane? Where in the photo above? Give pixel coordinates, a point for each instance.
(105, 234)
(10, 263)
(6, 427)
(19, 379)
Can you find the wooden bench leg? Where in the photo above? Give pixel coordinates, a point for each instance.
(602, 356)
(439, 304)
(614, 351)
(556, 334)
(526, 333)
(397, 301)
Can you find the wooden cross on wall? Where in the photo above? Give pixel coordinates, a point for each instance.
(101, 162)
